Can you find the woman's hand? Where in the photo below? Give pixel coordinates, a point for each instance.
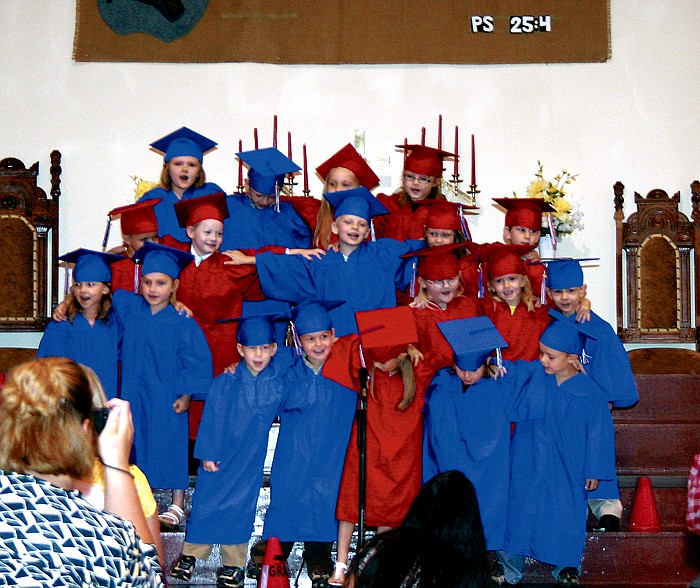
(114, 442)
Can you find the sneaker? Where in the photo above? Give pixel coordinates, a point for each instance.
(497, 573)
(608, 524)
(183, 568)
(568, 577)
(230, 577)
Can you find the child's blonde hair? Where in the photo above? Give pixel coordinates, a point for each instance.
(526, 295)
(167, 183)
(324, 220)
(421, 300)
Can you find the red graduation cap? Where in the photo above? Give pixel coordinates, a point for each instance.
(524, 212)
(386, 332)
(137, 219)
(350, 159)
(437, 263)
(501, 259)
(426, 161)
(195, 210)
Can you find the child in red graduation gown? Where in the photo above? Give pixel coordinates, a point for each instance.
(209, 288)
(394, 424)
(138, 224)
(511, 304)
(522, 226)
(420, 181)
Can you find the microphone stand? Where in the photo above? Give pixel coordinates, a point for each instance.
(361, 415)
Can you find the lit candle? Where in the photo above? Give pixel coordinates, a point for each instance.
(439, 132)
(456, 152)
(240, 163)
(306, 172)
(289, 144)
(422, 136)
(473, 163)
(255, 137)
(274, 132)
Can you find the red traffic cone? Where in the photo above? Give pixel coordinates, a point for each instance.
(644, 518)
(274, 567)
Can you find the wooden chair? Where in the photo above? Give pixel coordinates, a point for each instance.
(653, 266)
(29, 245)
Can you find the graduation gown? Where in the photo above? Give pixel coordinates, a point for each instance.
(437, 353)
(237, 416)
(552, 457)
(315, 422)
(366, 279)
(393, 442)
(96, 346)
(521, 330)
(467, 428)
(248, 227)
(403, 221)
(165, 210)
(123, 275)
(163, 357)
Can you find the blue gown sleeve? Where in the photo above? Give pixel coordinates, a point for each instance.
(298, 275)
(195, 362)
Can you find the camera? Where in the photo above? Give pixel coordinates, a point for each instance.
(99, 419)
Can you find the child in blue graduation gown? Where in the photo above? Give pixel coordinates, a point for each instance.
(557, 459)
(363, 273)
(92, 334)
(232, 444)
(607, 363)
(315, 423)
(468, 415)
(258, 219)
(181, 178)
(165, 361)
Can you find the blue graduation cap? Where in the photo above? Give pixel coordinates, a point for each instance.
(358, 202)
(566, 335)
(159, 258)
(312, 316)
(473, 340)
(91, 266)
(563, 273)
(183, 143)
(268, 167)
(256, 329)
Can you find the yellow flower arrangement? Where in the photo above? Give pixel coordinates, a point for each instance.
(567, 218)
(142, 186)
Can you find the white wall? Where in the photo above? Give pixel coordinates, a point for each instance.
(635, 118)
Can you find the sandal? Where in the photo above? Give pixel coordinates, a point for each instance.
(183, 568)
(172, 518)
(338, 578)
(319, 579)
(230, 577)
(568, 577)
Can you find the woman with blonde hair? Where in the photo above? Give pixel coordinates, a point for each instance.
(50, 532)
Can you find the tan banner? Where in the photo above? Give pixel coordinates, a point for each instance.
(343, 31)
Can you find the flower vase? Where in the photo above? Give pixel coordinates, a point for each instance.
(547, 247)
